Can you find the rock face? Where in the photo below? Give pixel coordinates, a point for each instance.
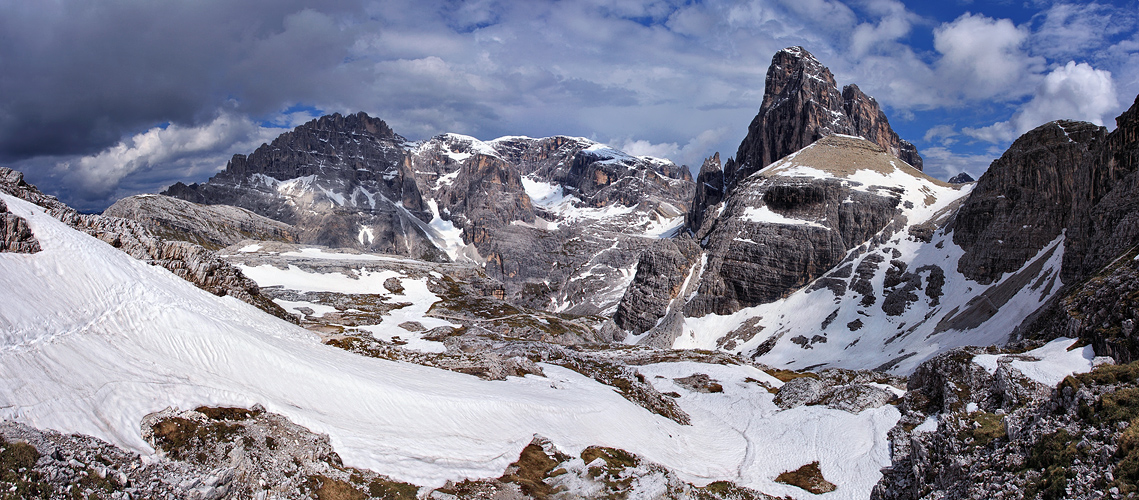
(342, 181)
(1025, 199)
(559, 221)
(1106, 211)
(663, 267)
(187, 260)
(802, 103)
(15, 235)
(211, 226)
(779, 232)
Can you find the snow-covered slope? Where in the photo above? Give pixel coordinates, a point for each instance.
(840, 255)
(93, 340)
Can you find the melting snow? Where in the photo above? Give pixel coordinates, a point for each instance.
(1054, 361)
(93, 344)
(765, 215)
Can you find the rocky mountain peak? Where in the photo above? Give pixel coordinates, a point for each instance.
(961, 178)
(867, 120)
(801, 104)
(357, 123)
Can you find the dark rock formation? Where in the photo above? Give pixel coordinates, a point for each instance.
(1024, 200)
(961, 178)
(186, 260)
(337, 179)
(1106, 210)
(211, 226)
(710, 190)
(802, 103)
(661, 271)
(15, 235)
(752, 260)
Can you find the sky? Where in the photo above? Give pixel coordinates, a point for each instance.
(100, 100)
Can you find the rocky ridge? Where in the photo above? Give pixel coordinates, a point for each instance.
(211, 226)
(974, 432)
(559, 220)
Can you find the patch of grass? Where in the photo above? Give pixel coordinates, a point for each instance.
(185, 439)
(789, 375)
(16, 462)
(808, 477)
(392, 490)
(1107, 374)
(991, 428)
(1127, 470)
(326, 488)
(1118, 406)
(1052, 455)
(531, 470)
(616, 461)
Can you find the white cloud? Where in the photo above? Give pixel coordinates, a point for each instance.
(692, 153)
(1070, 92)
(895, 22)
(944, 163)
(1069, 30)
(984, 58)
(945, 134)
(184, 152)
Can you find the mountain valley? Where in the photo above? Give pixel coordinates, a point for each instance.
(815, 317)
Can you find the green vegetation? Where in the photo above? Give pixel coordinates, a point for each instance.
(19, 481)
(1052, 455)
(988, 427)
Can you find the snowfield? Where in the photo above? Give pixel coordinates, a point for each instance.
(92, 340)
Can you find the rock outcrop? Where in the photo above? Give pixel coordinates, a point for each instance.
(802, 103)
(342, 181)
(186, 260)
(211, 226)
(972, 432)
(15, 235)
(1025, 199)
(662, 270)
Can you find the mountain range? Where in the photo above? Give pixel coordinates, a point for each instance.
(819, 278)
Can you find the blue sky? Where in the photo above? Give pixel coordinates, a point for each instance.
(99, 100)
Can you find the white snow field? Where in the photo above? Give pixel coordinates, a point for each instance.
(967, 312)
(92, 340)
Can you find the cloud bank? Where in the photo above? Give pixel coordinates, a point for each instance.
(102, 99)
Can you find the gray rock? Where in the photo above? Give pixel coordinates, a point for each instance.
(15, 235)
(211, 226)
(1024, 200)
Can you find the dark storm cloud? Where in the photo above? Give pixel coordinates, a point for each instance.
(102, 99)
(78, 76)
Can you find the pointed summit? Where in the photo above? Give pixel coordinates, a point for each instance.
(802, 103)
